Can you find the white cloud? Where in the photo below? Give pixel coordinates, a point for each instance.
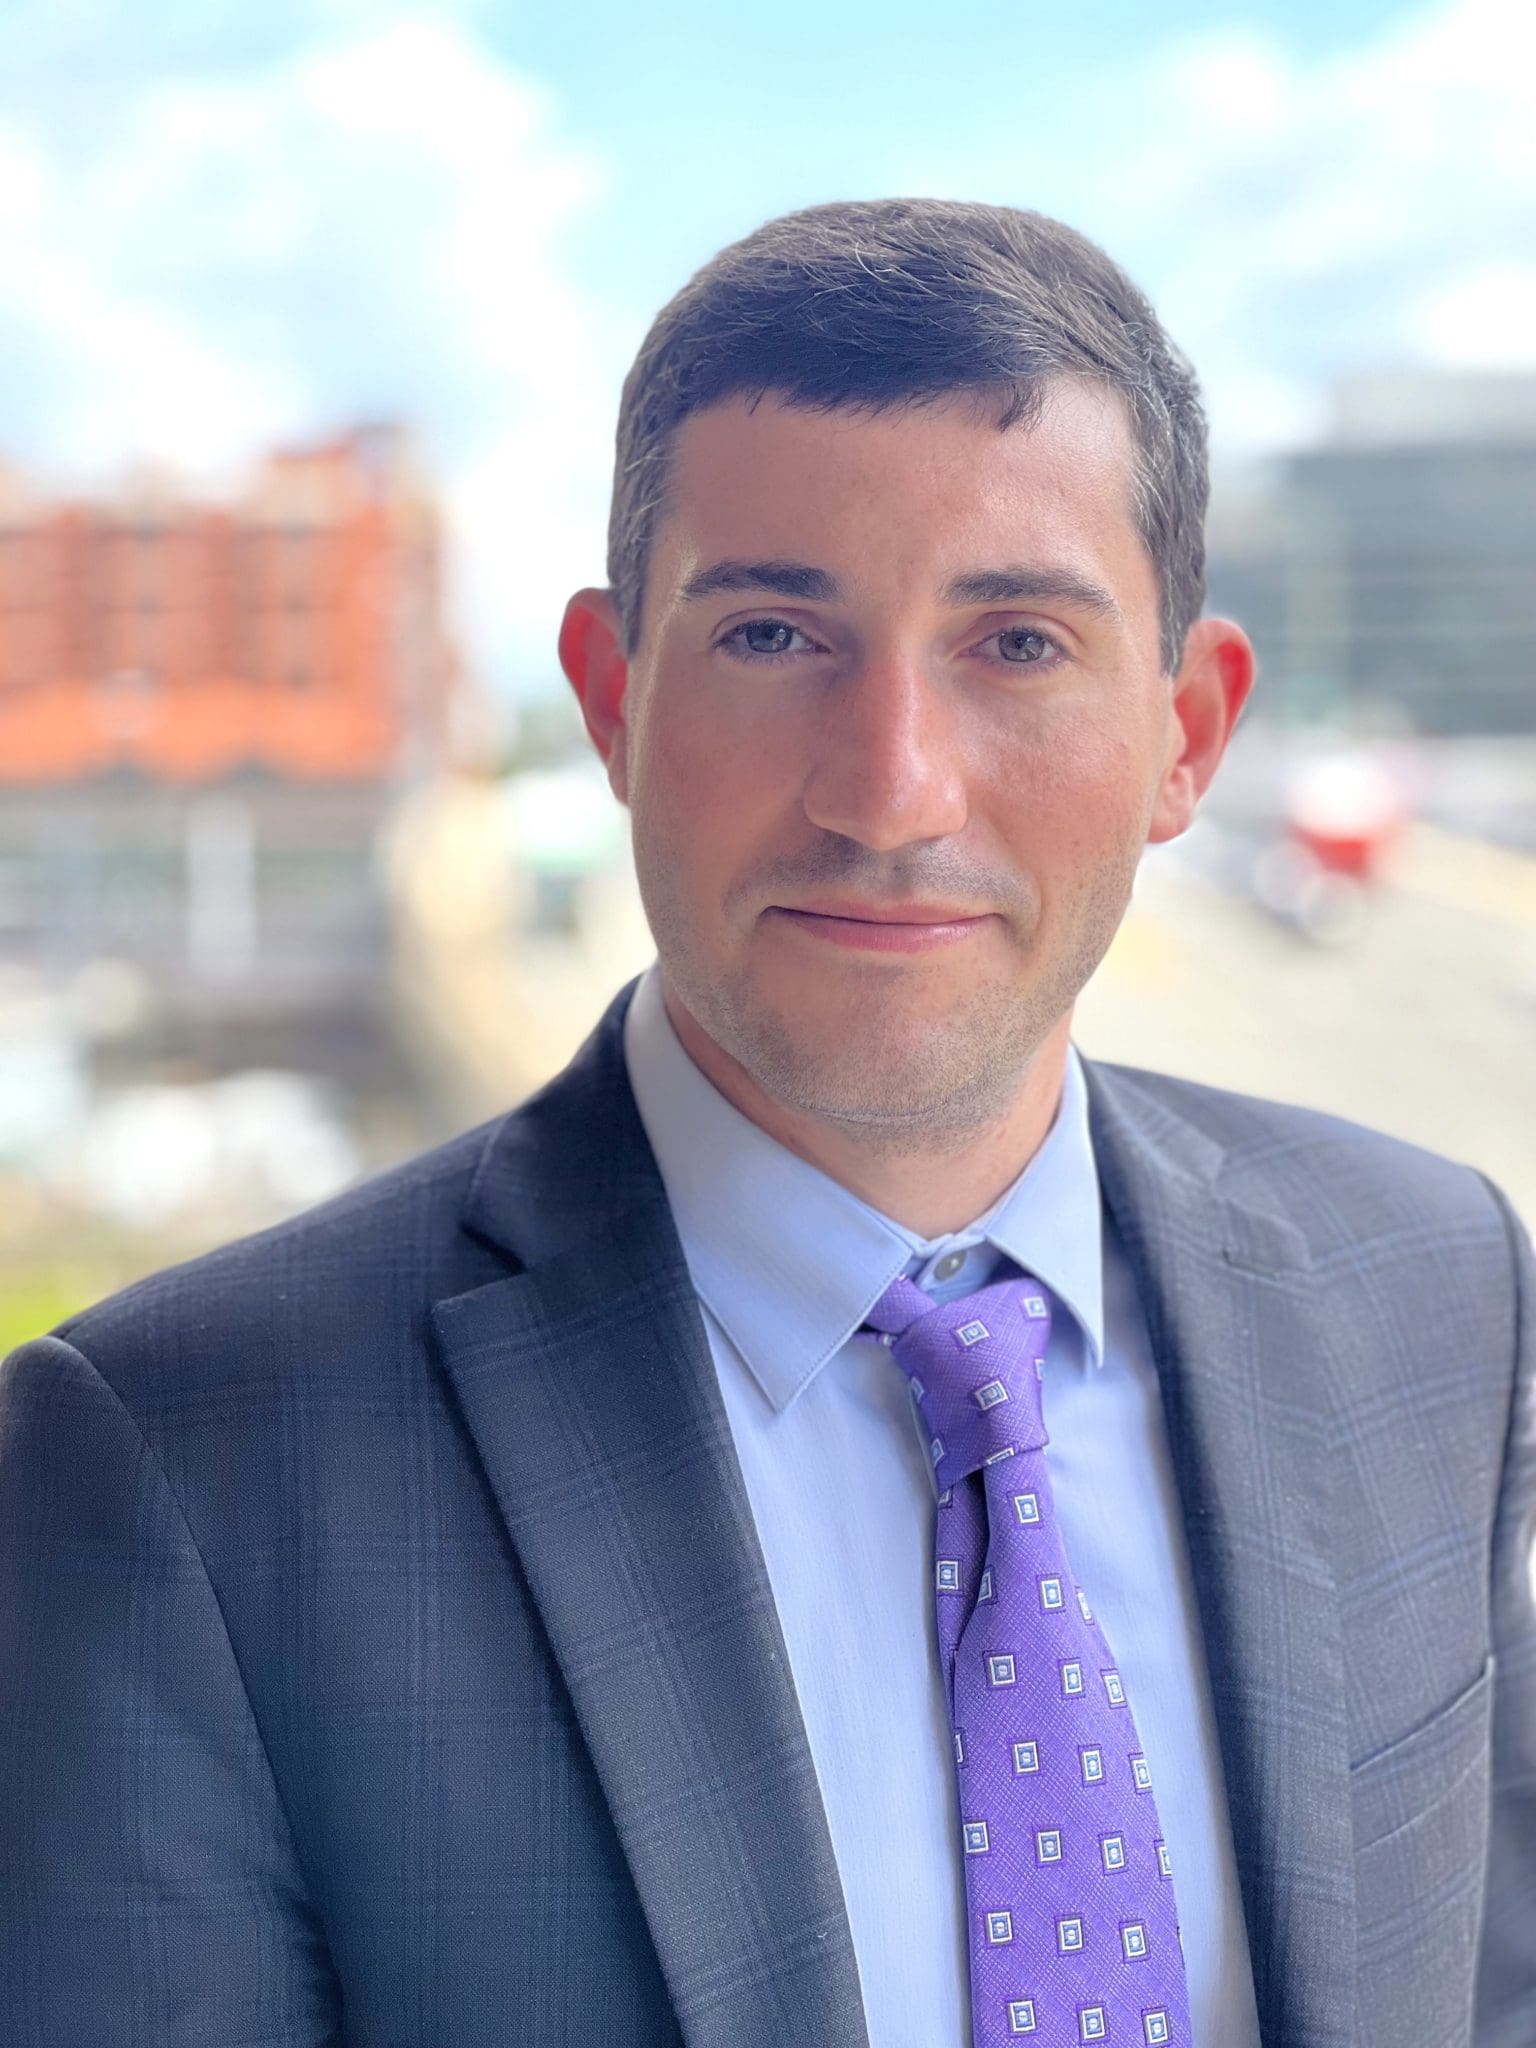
(1294, 220)
(1483, 319)
(374, 224)
(1303, 221)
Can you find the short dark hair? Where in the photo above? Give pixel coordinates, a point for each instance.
(874, 303)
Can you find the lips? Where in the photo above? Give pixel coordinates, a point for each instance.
(877, 928)
(871, 913)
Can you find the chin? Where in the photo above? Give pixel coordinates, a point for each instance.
(851, 1062)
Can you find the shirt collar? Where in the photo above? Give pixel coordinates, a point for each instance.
(789, 1262)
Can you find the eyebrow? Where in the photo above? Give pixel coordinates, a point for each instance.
(1012, 585)
(1031, 586)
(784, 579)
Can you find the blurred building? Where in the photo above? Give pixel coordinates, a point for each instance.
(1389, 573)
(206, 714)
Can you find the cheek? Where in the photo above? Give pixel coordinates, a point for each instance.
(699, 786)
(1076, 780)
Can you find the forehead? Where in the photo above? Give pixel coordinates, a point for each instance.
(921, 491)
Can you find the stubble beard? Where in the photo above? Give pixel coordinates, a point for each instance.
(894, 1090)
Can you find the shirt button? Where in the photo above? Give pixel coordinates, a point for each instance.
(949, 1266)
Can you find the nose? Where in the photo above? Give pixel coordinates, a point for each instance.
(887, 765)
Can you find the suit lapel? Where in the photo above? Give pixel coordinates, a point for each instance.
(587, 1383)
(1244, 1358)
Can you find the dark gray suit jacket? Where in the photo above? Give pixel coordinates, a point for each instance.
(387, 1656)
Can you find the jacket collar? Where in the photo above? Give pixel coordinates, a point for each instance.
(789, 1262)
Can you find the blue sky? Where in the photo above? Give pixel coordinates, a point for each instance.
(219, 224)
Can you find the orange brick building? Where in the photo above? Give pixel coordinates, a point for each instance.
(296, 634)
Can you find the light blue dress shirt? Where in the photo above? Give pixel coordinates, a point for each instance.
(787, 1263)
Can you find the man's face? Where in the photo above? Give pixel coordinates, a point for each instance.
(902, 666)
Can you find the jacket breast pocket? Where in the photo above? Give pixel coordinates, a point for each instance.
(1420, 1810)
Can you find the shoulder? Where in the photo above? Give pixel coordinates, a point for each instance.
(1403, 1243)
(350, 1279)
(1331, 1177)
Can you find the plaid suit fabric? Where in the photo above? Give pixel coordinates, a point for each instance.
(1380, 1362)
(321, 1720)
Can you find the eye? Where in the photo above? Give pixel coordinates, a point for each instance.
(757, 640)
(1023, 646)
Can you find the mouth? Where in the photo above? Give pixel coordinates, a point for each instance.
(880, 929)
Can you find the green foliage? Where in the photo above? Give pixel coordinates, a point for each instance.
(32, 1300)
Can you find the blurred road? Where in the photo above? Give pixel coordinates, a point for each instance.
(1424, 1025)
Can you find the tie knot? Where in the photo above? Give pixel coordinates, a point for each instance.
(974, 1367)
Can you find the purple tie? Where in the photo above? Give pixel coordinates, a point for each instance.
(1071, 1922)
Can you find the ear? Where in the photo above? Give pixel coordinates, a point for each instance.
(592, 655)
(1209, 691)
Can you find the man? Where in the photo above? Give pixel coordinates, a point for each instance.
(839, 1521)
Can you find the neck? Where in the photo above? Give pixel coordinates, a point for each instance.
(929, 1192)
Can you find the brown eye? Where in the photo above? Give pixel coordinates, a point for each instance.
(1022, 644)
